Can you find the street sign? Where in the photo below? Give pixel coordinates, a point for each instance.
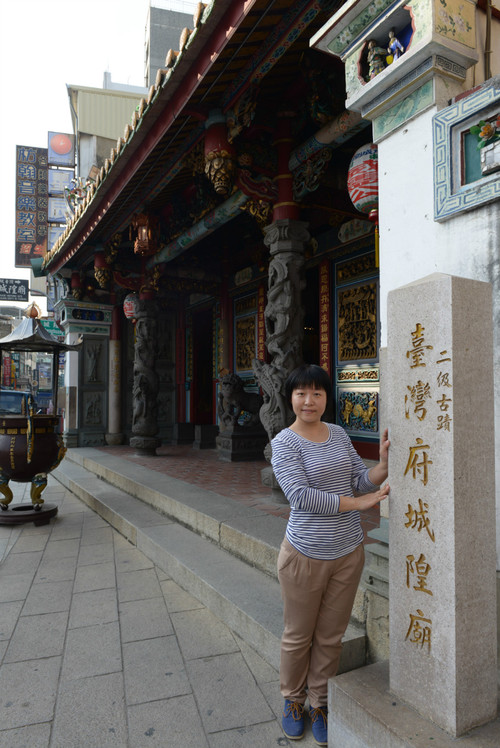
(13, 289)
(52, 327)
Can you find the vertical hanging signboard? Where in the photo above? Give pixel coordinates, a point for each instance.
(261, 327)
(31, 204)
(324, 316)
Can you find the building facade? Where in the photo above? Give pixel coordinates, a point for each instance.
(233, 232)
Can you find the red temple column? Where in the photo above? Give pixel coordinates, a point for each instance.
(115, 434)
(285, 207)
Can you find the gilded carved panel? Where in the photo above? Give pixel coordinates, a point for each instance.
(357, 338)
(358, 411)
(245, 342)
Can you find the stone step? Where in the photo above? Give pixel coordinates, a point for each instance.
(380, 551)
(245, 532)
(222, 553)
(381, 533)
(365, 713)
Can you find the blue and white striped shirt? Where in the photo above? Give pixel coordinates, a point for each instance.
(313, 475)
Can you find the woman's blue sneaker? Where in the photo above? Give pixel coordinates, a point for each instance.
(292, 721)
(319, 724)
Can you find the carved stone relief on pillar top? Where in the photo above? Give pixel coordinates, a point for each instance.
(286, 234)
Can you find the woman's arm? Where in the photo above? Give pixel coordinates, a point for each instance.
(364, 502)
(290, 473)
(379, 472)
(376, 475)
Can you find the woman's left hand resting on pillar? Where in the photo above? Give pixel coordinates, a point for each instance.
(377, 474)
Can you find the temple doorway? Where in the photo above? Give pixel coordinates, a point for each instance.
(202, 385)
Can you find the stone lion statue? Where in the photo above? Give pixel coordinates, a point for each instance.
(233, 399)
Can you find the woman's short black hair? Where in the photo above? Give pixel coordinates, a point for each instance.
(308, 375)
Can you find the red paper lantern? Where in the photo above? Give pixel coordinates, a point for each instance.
(130, 305)
(362, 179)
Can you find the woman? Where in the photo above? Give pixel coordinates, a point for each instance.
(322, 556)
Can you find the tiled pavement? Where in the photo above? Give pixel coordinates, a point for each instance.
(98, 647)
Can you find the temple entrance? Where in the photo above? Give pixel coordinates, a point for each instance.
(202, 386)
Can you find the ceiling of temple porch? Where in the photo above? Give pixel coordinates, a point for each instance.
(305, 82)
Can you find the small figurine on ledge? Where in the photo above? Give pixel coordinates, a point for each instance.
(375, 59)
(395, 47)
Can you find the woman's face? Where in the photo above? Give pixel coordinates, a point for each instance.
(309, 403)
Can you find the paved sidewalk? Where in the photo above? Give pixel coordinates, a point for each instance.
(98, 647)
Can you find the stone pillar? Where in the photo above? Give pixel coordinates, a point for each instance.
(145, 390)
(442, 506)
(115, 434)
(283, 317)
(85, 384)
(70, 427)
(286, 238)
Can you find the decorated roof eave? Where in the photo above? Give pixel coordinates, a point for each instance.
(166, 99)
(167, 102)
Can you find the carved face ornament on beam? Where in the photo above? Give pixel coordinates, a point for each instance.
(77, 290)
(220, 155)
(102, 271)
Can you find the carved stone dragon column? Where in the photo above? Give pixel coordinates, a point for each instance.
(286, 239)
(146, 384)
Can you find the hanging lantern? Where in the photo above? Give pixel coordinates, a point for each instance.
(362, 185)
(130, 305)
(146, 228)
(362, 179)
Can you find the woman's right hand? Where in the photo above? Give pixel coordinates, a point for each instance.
(368, 500)
(363, 502)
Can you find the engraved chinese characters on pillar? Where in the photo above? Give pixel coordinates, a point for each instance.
(420, 630)
(419, 461)
(416, 354)
(417, 568)
(418, 518)
(444, 387)
(418, 575)
(427, 404)
(439, 386)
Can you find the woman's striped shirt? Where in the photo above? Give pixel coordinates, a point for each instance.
(313, 475)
